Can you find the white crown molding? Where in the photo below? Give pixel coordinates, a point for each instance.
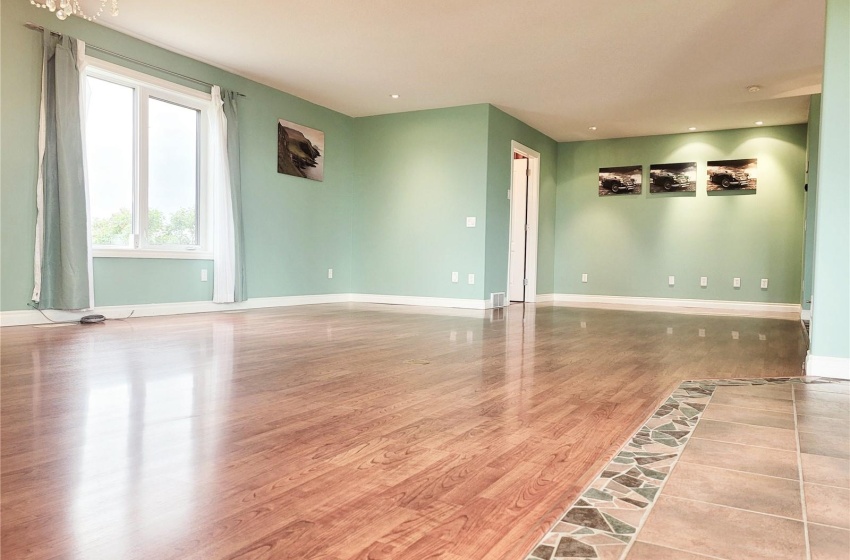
(828, 366)
(695, 306)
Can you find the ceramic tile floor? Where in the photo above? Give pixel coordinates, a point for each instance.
(736, 469)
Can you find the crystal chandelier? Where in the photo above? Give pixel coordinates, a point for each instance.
(65, 8)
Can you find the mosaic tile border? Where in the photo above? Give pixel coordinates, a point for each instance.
(604, 520)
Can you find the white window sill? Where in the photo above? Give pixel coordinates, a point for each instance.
(151, 254)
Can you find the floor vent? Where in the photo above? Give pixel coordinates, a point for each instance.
(497, 299)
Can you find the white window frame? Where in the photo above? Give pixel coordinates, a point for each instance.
(146, 86)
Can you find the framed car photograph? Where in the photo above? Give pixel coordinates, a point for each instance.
(732, 175)
(620, 180)
(300, 151)
(673, 177)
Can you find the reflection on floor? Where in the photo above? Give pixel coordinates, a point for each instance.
(724, 469)
(339, 431)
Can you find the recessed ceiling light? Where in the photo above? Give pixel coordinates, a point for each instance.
(759, 123)
(394, 96)
(753, 88)
(591, 128)
(692, 128)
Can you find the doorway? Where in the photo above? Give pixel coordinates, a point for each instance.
(523, 195)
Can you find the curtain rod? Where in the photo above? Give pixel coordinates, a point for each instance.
(36, 27)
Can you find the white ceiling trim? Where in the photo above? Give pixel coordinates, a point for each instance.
(561, 66)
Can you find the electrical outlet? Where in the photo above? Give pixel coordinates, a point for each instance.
(583, 325)
(330, 273)
(734, 335)
(671, 280)
(471, 278)
(762, 337)
(669, 330)
(703, 281)
(470, 221)
(736, 282)
(702, 333)
(764, 283)
(584, 278)
(203, 275)
(454, 277)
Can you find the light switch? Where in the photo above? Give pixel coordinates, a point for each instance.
(330, 273)
(470, 221)
(584, 278)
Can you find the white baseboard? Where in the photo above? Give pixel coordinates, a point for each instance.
(681, 305)
(33, 317)
(421, 301)
(806, 314)
(827, 366)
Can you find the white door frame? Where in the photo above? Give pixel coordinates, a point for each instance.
(533, 202)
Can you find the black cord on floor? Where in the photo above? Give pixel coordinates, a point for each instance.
(78, 322)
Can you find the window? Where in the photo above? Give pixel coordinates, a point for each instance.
(146, 158)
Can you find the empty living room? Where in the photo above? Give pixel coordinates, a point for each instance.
(458, 280)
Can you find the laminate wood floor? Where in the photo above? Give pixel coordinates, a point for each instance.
(337, 431)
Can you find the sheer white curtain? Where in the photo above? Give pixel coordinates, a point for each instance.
(224, 251)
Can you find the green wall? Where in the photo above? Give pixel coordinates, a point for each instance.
(502, 129)
(147, 281)
(390, 217)
(831, 289)
(420, 175)
(295, 229)
(628, 245)
(812, 154)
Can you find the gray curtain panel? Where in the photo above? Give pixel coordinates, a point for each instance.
(233, 158)
(65, 253)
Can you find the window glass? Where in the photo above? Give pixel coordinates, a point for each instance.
(172, 174)
(110, 150)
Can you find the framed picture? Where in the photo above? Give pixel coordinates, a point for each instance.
(673, 177)
(732, 175)
(620, 180)
(300, 151)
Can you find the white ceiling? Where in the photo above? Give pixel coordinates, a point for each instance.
(629, 67)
